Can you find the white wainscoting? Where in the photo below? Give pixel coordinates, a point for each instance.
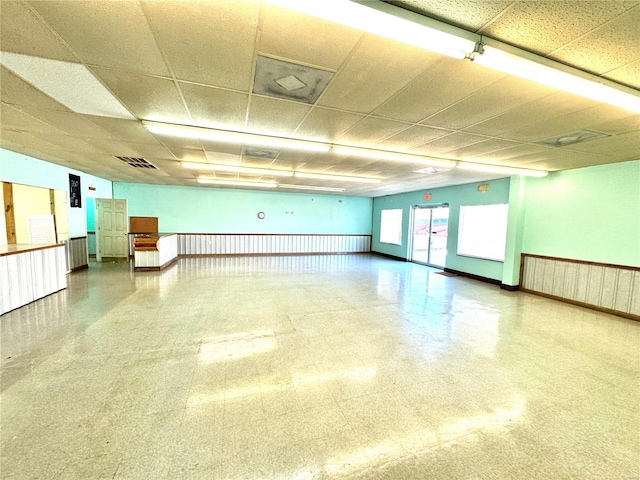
(256, 244)
(28, 275)
(77, 253)
(614, 288)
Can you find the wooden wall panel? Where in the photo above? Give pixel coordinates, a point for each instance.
(610, 288)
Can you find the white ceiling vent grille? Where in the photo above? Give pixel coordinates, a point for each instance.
(136, 162)
(572, 138)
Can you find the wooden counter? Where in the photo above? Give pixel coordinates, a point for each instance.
(30, 272)
(154, 251)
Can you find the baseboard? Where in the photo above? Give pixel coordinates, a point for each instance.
(618, 313)
(510, 288)
(81, 267)
(473, 276)
(386, 255)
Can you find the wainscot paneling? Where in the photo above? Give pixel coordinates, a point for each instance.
(256, 244)
(608, 288)
(77, 253)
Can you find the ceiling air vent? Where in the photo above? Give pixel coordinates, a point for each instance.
(136, 162)
(288, 80)
(572, 138)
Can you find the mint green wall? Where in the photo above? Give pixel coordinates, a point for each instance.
(18, 168)
(219, 210)
(590, 214)
(515, 227)
(454, 196)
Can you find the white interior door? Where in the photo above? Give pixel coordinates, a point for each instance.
(111, 229)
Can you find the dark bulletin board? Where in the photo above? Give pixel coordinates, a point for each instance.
(74, 191)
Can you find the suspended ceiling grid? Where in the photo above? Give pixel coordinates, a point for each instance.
(194, 63)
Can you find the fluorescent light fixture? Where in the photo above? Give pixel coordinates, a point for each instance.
(238, 183)
(388, 21)
(393, 156)
(71, 84)
(309, 187)
(237, 169)
(340, 178)
(225, 136)
(478, 167)
(522, 67)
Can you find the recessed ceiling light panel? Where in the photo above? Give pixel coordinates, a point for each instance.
(71, 84)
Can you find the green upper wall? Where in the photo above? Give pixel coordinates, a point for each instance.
(18, 168)
(455, 196)
(220, 210)
(590, 214)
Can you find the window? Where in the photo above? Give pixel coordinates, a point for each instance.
(482, 231)
(391, 226)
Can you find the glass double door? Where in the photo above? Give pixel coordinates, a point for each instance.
(430, 230)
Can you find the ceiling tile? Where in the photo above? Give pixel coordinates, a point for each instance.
(224, 148)
(147, 151)
(298, 37)
(544, 26)
(611, 46)
(68, 142)
(627, 75)
(14, 90)
(428, 94)
(188, 154)
(126, 130)
(462, 13)
(215, 107)
(449, 143)
(494, 99)
(149, 98)
(214, 44)
(538, 110)
(271, 116)
(625, 146)
(23, 32)
(13, 118)
(109, 147)
(25, 140)
(512, 154)
(72, 123)
(602, 118)
(377, 69)
(371, 131)
(412, 137)
(485, 147)
(326, 125)
(102, 33)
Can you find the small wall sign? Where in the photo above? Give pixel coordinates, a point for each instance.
(427, 196)
(483, 188)
(75, 200)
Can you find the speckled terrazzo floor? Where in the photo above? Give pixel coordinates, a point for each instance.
(313, 367)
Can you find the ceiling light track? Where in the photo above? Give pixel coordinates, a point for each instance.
(381, 18)
(276, 172)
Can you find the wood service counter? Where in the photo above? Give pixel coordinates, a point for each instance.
(30, 272)
(154, 251)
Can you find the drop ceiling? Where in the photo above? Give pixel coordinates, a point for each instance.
(194, 63)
